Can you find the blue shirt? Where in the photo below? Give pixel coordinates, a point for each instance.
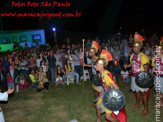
(5, 64)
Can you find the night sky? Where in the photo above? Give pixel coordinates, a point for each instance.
(132, 15)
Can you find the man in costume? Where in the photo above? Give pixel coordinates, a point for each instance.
(107, 83)
(92, 53)
(4, 97)
(139, 62)
(157, 64)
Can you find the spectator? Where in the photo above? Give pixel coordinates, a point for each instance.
(116, 56)
(77, 64)
(59, 75)
(40, 58)
(22, 83)
(43, 81)
(70, 74)
(58, 58)
(52, 66)
(10, 81)
(63, 59)
(25, 69)
(45, 67)
(31, 64)
(11, 64)
(5, 69)
(33, 79)
(125, 75)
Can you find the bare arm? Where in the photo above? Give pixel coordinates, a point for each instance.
(87, 65)
(114, 85)
(153, 70)
(75, 59)
(127, 66)
(63, 72)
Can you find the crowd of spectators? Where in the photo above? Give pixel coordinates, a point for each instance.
(41, 65)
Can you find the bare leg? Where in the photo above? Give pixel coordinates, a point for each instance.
(56, 83)
(60, 81)
(137, 105)
(96, 95)
(145, 111)
(110, 118)
(98, 112)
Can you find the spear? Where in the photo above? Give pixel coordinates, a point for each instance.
(83, 70)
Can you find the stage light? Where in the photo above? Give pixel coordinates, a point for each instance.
(55, 35)
(54, 29)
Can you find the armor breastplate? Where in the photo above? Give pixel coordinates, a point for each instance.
(104, 85)
(136, 65)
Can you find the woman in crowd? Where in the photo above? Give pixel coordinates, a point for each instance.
(70, 58)
(45, 67)
(10, 81)
(39, 59)
(11, 63)
(60, 74)
(70, 74)
(63, 59)
(22, 82)
(16, 67)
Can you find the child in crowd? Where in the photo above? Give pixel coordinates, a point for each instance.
(125, 75)
(43, 81)
(45, 67)
(33, 79)
(22, 83)
(11, 64)
(10, 81)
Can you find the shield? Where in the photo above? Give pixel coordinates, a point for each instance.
(144, 80)
(96, 80)
(113, 99)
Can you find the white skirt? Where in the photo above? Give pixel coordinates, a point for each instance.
(134, 87)
(2, 117)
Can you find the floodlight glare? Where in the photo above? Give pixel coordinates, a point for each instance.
(54, 29)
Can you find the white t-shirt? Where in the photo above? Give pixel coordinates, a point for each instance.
(38, 62)
(44, 68)
(124, 74)
(57, 60)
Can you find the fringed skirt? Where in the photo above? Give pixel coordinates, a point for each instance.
(97, 88)
(100, 105)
